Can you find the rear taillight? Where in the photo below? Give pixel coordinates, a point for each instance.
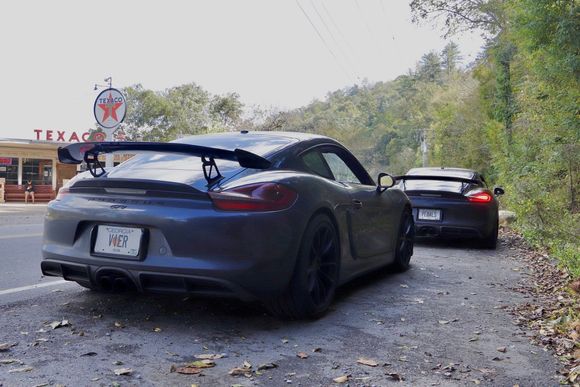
(255, 197)
(479, 197)
(61, 192)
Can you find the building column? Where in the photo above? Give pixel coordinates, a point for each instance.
(54, 180)
(20, 171)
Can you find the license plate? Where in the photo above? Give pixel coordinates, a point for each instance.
(115, 240)
(429, 214)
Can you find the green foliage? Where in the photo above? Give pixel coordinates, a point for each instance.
(177, 112)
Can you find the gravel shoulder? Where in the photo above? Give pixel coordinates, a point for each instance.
(444, 322)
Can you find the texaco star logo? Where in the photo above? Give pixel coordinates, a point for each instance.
(110, 108)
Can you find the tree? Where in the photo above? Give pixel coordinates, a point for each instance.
(429, 68)
(450, 57)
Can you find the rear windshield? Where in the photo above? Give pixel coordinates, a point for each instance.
(188, 169)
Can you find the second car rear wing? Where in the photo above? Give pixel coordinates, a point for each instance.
(437, 178)
(90, 151)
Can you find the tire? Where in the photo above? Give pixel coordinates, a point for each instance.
(491, 241)
(405, 242)
(315, 278)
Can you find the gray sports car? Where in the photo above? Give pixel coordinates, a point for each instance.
(283, 218)
(452, 203)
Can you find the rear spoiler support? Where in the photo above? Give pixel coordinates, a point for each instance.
(89, 152)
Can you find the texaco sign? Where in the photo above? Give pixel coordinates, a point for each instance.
(110, 108)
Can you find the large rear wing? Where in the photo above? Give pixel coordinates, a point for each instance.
(90, 151)
(437, 178)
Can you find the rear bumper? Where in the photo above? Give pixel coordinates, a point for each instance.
(459, 219)
(108, 277)
(190, 248)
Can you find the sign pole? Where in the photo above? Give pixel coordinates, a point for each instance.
(109, 109)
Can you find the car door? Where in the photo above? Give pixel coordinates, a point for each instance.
(370, 216)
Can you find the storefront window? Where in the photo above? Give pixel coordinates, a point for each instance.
(9, 169)
(37, 170)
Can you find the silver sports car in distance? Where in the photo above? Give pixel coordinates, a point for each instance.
(282, 218)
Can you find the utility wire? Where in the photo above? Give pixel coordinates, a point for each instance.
(343, 53)
(324, 42)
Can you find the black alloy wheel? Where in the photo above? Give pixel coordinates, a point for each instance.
(405, 241)
(315, 278)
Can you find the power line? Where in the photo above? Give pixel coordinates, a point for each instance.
(349, 63)
(324, 41)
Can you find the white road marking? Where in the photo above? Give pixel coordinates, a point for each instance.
(20, 236)
(30, 287)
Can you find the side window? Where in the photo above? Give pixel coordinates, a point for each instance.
(313, 161)
(339, 169)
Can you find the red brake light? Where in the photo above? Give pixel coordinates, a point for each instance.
(479, 197)
(255, 197)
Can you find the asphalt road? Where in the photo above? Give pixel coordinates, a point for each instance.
(440, 323)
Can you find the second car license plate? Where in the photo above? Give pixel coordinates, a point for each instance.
(116, 240)
(429, 214)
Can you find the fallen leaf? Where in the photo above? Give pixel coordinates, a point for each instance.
(395, 376)
(89, 354)
(404, 286)
(502, 349)
(497, 359)
(9, 361)
(157, 330)
(247, 364)
(341, 379)
(41, 385)
(59, 324)
(245, 370)
(23, 369)
(267, 366)
(474, 338)
(284, 341)
(317, 349)
(443, 322)
(117, 362)
(206, 363)
(123, 371)
(210, 356)
(119, 325)
(186, 370)
(302, 355)
(6, 346)
(367, 362)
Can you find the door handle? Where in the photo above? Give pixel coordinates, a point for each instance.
(357, 204)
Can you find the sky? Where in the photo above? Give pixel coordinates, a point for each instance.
(273, 53)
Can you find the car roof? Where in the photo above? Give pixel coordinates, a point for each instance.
(259, 142)
(443, 171)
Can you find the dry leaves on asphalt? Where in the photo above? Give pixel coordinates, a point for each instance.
(195, 367)
(123, 371)
(367, 362)
(245, 370)
(23, 369)
(395, 376)
(210, 356)
(267, 366)
(6, 346)
(59, 324)
(302, 355)
(341, 379)
(555, 297)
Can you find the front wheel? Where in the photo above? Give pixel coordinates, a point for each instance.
(405, 241)
(315, 278)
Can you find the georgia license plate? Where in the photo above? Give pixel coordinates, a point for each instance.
(117, 240)
(429, 214)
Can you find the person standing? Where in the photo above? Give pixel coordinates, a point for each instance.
(29, 191)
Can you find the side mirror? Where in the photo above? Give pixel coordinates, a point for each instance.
(497, 191)
(386, 181)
